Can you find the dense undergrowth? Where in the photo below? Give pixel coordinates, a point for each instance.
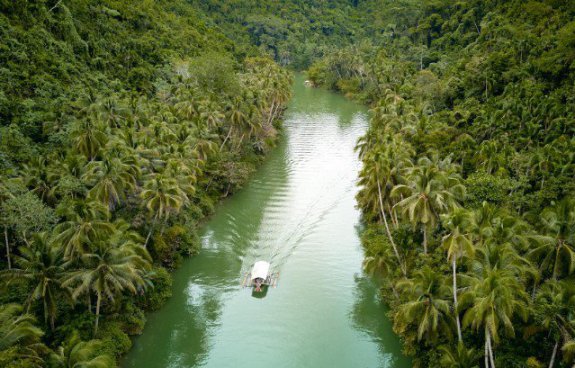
(121, 124)
(468, 180)
(293, 32)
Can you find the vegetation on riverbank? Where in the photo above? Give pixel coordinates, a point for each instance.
(468, 180)
(121, 124)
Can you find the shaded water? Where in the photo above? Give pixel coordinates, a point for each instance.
(298, 210)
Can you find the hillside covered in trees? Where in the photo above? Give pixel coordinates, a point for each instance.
(468, 179)
(123, 122)
(294, 32)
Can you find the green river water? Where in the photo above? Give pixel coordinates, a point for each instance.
(299, 211)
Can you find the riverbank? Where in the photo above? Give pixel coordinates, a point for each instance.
(466, 187)
(101, 191)
(297, 210)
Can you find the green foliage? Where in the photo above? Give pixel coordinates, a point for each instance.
(121, 124)
(77, 353)
(214, 73)
(75, 322)
(12, 358)
(27, 214)
(19, 337)
(132, 318)
(472, 123)
(483, 187)
(294, 33)
(162, 290)
(173, 243)
(115, 342)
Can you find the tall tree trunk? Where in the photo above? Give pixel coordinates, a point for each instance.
(150, 233)
(97, 313)
(490, 348)
(226, 139)
(421, 61)
(270, 118)
(45, 310)
(7, 247)
(240, 141)
(486, 355)
(424, 239)
(148, 238)
(534, 290)
(552, 362)
(401, 265)
(454, 271)
(395, 219)
(554, 276)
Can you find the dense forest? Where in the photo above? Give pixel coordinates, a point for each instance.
(468, 179)
(294, 32)
(122, 123)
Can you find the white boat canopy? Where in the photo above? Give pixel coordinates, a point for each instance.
(260, 270)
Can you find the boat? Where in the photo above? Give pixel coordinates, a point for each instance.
(260, 276)
(308, 83)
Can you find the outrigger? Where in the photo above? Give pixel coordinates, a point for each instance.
(260, 276)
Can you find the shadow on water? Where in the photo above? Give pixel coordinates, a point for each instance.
(260, 294)
(366, 316)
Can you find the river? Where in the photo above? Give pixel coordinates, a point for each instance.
(299, 211)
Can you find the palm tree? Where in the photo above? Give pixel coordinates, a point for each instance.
(5, 194)
(484, 220)
(541, 164)
(86, 223)
(76, 353)
(18, 330)
(388, 163)
(427, 306)
(37, 176)
(238, 120)
(495, 296)
(162, 196)
(42, 264)
(493, 156)
(460, 358)
(381, 171)
(114, 265)
(210, 115)
(187, 108)
(554, 305)
(379, 257)
(458, 245)
(462, 147)
(89, 137)
(66, 177)
(433, 188)
(203, 142)
(555, 250)
(112, 177)
(111, 112)
(568, 350)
